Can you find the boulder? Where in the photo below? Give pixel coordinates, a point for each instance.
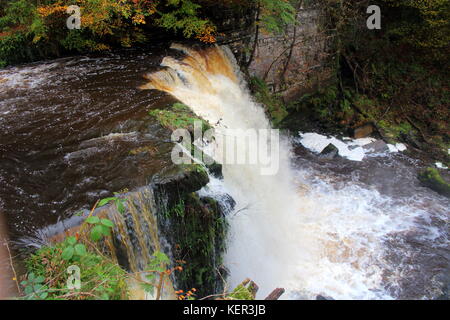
(180, 179)
(330, 152)
(378, 146)
(363, 131)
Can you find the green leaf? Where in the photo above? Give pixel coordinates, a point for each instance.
(38, 287)
(105, 230)
(119, 205)
(161, 257)
(93, 220)
(80, 249)
(79, 213)
(147, 287)
(71, 240)
(31, 276)
(104, 296)
(44, 295)
(105, 201)
(28, 290)
(39, 279)
(67, 253)
(96, 233)
(107, 223)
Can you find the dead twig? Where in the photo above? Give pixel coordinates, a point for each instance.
(12, 266)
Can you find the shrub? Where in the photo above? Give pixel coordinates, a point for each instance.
(101, 278)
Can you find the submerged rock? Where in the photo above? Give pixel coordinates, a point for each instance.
(432, 179)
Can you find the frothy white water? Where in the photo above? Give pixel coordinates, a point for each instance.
(25, 77)
(288, 230)
(352, 149)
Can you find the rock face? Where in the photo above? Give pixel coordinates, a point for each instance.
(195, 230)
(180, 179)
(293, 63)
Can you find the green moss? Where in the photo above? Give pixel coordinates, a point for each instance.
(323, 103)
(395, 130)
(178, 116)
(198, 238)
(241, 292)
(433, 180)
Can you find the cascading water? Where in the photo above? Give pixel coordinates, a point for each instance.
(300, 229)
(340, 228)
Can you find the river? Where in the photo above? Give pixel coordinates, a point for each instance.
(343, 229)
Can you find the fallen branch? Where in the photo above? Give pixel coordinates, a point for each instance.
(275, 294)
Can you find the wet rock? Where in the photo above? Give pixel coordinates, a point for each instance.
(378, 146)
(432, 179)
(214, 168)
(181, 179)
(330, 152)
(227, 204)
(363, 131)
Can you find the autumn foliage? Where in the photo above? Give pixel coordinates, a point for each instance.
(39, 27)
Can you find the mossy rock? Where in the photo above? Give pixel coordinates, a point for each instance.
(179, 116)
(196, 230)
(214, 167)
(432, 179)
(181, 179)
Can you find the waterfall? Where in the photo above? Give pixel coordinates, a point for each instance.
(289, 229)
(208, 83)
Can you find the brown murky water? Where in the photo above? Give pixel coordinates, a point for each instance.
(75, 130)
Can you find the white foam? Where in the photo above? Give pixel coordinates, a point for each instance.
(28, 77)
(440, 165)
(400, 147)
(317, 142)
